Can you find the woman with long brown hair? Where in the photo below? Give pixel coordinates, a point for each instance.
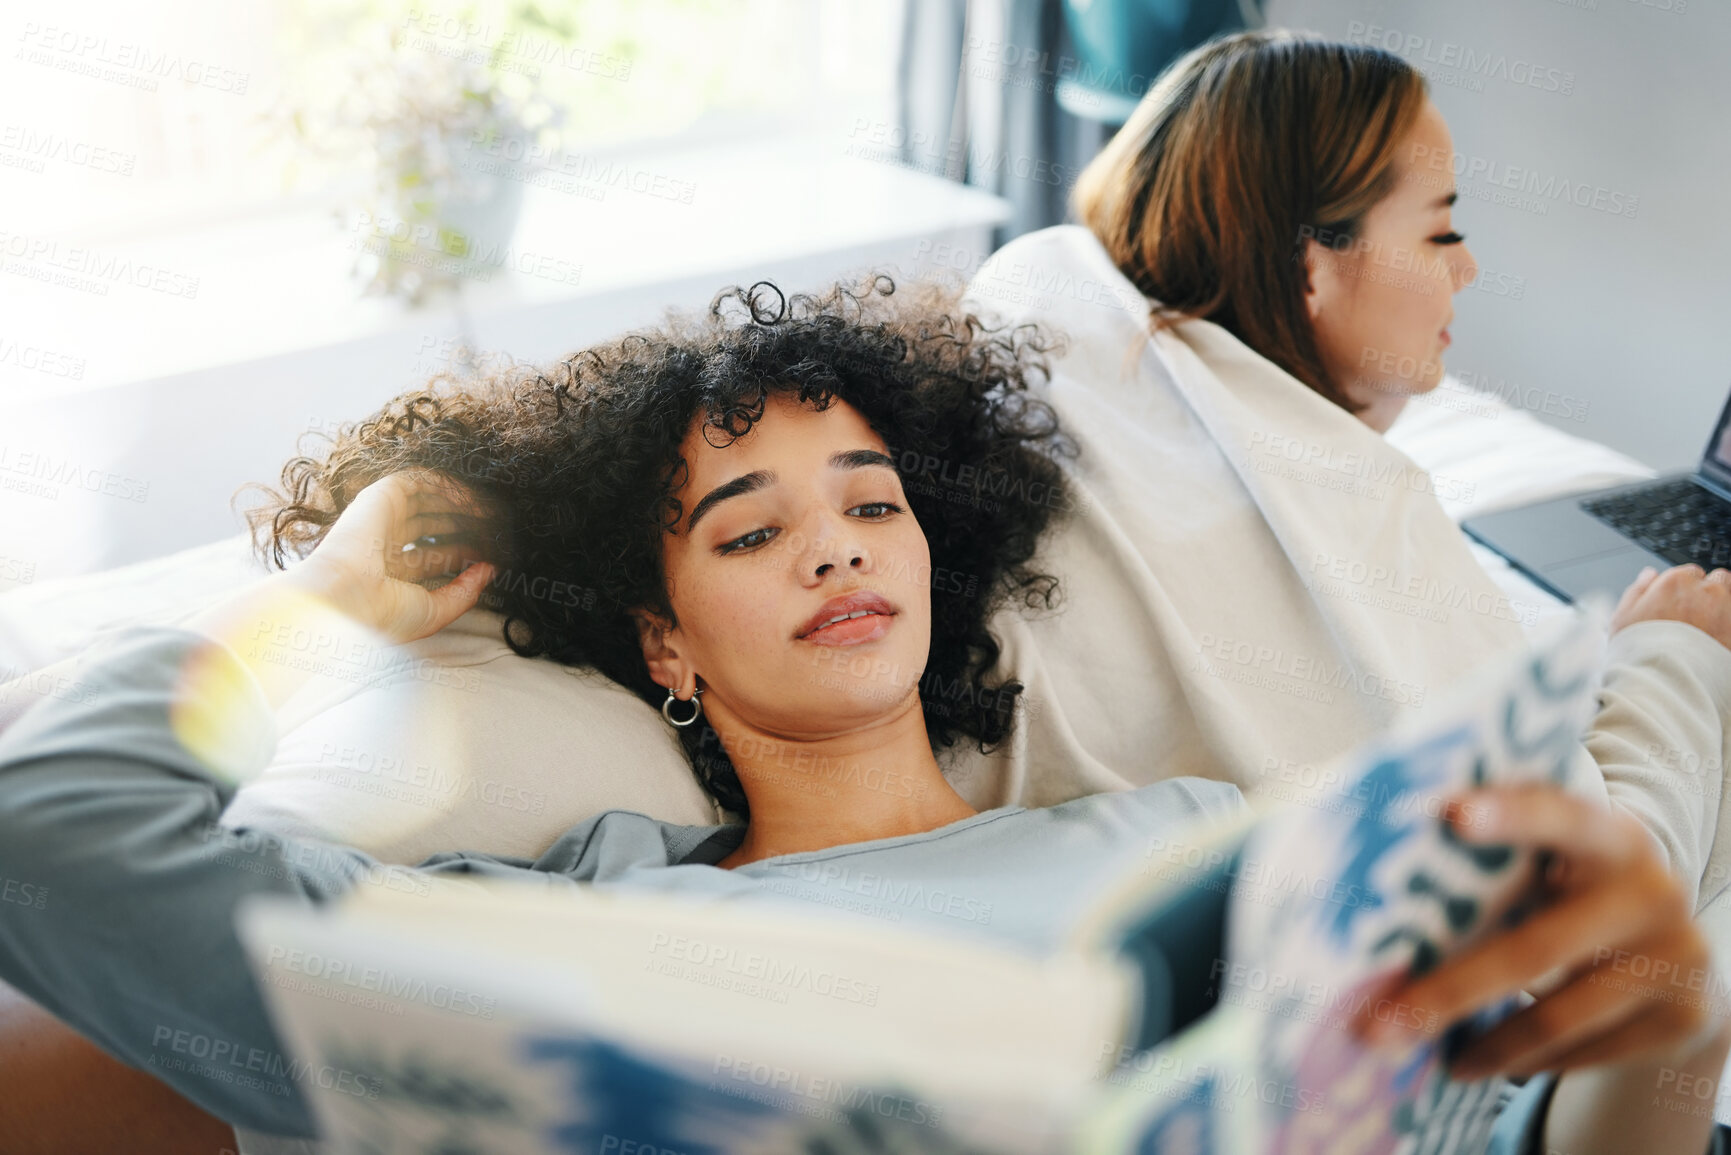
(1296, 192)
(1263, 275)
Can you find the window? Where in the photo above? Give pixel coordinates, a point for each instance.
(125, 120)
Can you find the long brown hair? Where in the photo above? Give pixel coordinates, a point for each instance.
(1243, 149)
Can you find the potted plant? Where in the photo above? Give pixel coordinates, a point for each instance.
(417, 107)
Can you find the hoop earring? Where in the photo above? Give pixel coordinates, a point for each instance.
(667, 709)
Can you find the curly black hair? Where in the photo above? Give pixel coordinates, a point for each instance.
(576, 465)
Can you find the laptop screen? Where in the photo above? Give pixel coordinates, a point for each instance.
(1717, 460)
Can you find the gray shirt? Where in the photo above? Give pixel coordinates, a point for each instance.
(111, 822)
(118, 885)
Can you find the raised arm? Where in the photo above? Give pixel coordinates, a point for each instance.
(110, 819)
(109, 802)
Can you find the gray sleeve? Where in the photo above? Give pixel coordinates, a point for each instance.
(118, 884)
(108, 826)
(258, 1143)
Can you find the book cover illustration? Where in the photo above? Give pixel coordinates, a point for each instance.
(1335, 900)
(516, 1019)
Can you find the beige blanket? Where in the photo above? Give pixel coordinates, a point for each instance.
(1256, 582)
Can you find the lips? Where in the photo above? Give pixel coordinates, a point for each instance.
(860, 602)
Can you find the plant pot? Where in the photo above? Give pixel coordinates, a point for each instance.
(447, 214)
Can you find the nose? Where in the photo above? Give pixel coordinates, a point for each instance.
(1466, 267)
(830, 554)
(857, 561)
(835, 544)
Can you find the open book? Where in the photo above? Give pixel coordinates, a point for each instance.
(462, 1017)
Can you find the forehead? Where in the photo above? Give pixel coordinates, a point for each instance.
(1424, 163)
(1428, 146)
(789, 433)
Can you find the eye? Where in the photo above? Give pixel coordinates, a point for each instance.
(887, 508)
(748, 541)
(1450, 238)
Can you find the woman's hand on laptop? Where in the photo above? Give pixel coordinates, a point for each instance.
(1683, 593)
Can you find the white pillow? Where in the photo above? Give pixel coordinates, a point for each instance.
(458, 745)
(1485, 454)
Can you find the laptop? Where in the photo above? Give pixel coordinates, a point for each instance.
(1597, 542)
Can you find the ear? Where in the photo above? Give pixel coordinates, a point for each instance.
(660, 641)
(1330, 276)
(1316, 261)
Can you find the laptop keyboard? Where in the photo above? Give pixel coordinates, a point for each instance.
(1678, 520)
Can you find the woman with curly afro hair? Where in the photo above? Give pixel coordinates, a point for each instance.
(788, 524)
(583, 472)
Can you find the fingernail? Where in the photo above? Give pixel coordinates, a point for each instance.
(1379, 1033)
(1467, 1070)
(1481, 815)
(1396, 1038)
(1472, 1063)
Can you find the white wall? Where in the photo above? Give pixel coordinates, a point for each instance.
(1625, 317)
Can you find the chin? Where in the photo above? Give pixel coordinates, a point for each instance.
(858, 696)
(1429, 378)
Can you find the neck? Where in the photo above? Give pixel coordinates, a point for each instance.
(1382, 404)
(814, 793)
(1382, 410)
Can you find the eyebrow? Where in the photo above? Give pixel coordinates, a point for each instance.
(761, 478)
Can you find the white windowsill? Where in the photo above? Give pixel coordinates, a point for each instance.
(279, 285)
